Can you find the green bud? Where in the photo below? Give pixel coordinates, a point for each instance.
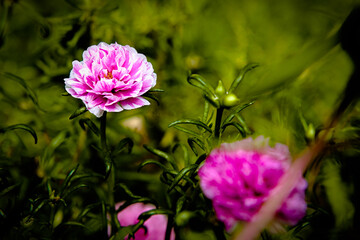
(183, 218)
(220, 89)
(310, 132)
(230, 100)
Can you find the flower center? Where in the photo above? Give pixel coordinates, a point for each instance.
(109, 75)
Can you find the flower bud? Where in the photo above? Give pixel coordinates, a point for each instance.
(230, 100)
(220, 89)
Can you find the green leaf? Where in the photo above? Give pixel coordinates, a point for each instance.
(243, 71)
(198, 81)
(237, 126)
(151, 96)
(193, 141)
(181, 175)
(90, 124)
(121, 145)
(235, 112)
(193, 122)
(122, 233)
(147, 214)
(76, 224)
(68, 178)
(23, 127)
(78, 112)
(8, 189)
(156, 90)
(201, 159)
(185, 151)
(188, 131)
(73, 189)
(55, 143)
(22, 82)
(157, 163)
(162, 155)
(127, 190)
(180, 203)
(87, 210)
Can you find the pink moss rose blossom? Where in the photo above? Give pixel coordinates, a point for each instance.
(111, 78)
(155, 225)
(239, 176)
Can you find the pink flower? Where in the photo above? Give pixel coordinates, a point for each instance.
(239, 176)
(111, 78)
(155, 225)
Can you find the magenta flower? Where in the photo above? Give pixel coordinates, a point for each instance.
(155, 225)
(239, 176)
(111, 78)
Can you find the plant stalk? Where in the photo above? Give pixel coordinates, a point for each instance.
(219, 113)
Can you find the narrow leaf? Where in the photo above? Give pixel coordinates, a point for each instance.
(162, 155)
(198, 81)
(151, 96)
(121, 145)
(88, 209)
(76, 224)
(188, 131)
(243, 71)
(127, 190)
(147, 214)
(22, 82)
(68, 178)
(156, 90)
(181, 175)
(23, 127)
(237, 126)
(193, 122)
(90, 124)
(122, 233)
(193, 141)
(75, 188)
(235, 112)
(78, 112)
(157, 163)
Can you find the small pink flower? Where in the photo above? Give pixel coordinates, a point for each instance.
(155, 225)
(239, 176)
(111, 78)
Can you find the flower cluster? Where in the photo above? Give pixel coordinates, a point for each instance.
(111, 78)
(239, 176)
(155, 225)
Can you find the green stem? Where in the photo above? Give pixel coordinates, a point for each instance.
(219, 113)
(103, 133)
(111, 179)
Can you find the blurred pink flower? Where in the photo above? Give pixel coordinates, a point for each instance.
(111, 78)
(155, 225)
(239, 176)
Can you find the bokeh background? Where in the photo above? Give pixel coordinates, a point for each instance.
(301, 74)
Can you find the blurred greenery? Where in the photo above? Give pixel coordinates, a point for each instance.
(302, 72)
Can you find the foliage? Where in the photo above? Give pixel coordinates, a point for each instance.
(281, 75)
